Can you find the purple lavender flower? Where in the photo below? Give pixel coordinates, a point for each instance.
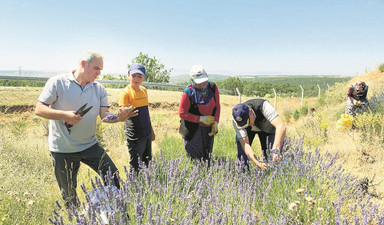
(176, 190)
(109, 117)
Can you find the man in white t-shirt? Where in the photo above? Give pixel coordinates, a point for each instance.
(257, 116)
(72, 136)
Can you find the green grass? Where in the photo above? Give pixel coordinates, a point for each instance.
(28, 185)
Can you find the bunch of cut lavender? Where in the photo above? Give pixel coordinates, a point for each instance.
(109, 117)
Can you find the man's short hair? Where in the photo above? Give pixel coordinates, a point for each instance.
(88, 56)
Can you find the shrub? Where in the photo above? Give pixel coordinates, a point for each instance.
(320, 101)
(370, 125)
(304, 110)
(371, 122)
(296, 114)
(381, 67)
(287, 116)
(376, 104)
(345, 122)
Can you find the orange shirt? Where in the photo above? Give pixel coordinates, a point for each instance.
(129, 96)
(139, 126)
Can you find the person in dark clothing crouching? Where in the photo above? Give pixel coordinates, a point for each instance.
(257, 116)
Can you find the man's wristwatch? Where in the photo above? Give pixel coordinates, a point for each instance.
(276, 151)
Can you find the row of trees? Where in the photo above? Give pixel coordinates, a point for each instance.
(265, 89)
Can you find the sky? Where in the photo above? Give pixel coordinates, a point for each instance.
(253, 37)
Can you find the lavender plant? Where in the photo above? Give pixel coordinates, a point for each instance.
(178, 191)
(370, 122)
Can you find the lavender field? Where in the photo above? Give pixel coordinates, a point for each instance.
(327, 176)
(307, 188)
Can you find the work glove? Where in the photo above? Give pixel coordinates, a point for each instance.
(207, 120)
(214, 130)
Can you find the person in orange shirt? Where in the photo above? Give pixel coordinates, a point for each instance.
(138, 129)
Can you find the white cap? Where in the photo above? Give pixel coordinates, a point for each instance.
(198, 74)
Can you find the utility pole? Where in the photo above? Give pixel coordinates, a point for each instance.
(19, 70)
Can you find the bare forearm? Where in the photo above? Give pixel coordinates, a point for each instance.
(279, 133)
(279, 138)
(251, 154)
(49, 113)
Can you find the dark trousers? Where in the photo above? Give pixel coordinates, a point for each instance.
(201, 145)
(67, 166)
(140, 149)
(266, 142)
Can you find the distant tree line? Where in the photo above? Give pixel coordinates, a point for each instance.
(21, 83)
(246, 87)
(287, 88)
